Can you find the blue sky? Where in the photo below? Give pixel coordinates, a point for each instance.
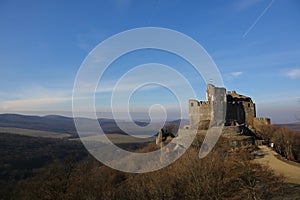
(255, 44)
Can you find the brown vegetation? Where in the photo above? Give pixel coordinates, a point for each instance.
(286, 141)
(221, 175)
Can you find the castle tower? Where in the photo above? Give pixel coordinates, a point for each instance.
(202, 112)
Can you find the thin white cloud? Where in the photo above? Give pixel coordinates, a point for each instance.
(31, 104)
(293, 73)
(38, 92)
(236, 74)
(39, 98)
(36, 97)
(232, 75)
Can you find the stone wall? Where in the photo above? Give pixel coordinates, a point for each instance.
(235, 113)
(194, 113)
(259, 122)
(250, 112)
(199, 113)
(240, 109)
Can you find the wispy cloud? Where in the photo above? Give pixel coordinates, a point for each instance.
(236, 74)
(293, 73)
(36, 98)
(31, 104)
(37, 92)
(232, 75)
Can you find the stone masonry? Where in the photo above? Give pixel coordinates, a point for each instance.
(240, 109)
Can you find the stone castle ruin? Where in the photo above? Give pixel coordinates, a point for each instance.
(240, 109)
(234, 112)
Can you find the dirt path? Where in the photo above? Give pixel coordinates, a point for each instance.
(291, 172)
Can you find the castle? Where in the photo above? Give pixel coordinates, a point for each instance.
(240, 109)
(234, 113)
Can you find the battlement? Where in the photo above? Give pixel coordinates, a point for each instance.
(193, 103)
(196, 104)
(231, 92)
(258, 123)
(262, 121)
(202, 103)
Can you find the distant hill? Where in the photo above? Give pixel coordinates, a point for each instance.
(294, 126)
(53, 123)
(65, 125)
